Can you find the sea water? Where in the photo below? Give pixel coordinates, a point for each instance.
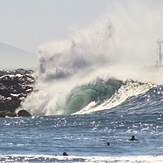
(85, 136)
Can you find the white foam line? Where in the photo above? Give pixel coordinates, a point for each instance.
(147, 159)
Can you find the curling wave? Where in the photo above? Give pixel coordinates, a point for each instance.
(98, 92)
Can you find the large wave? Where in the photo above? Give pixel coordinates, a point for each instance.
(96, 92)
(89, 70)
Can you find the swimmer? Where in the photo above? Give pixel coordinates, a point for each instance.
(133, 138)
(108, 143)
(65, 154)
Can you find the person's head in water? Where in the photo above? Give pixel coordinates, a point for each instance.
(108, 143)
(65, 154)
(133, 138)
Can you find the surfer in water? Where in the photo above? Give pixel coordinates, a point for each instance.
(108, 143)
(65, 154)
(133, 138)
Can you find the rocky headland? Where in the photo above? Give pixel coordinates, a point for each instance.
(15, 86)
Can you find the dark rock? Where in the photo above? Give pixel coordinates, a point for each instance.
(6, 113)
(4, 92)
(2, 106)
(10, 114)
(23, 113)
(3, 113)
(15, 86)
(2, 72)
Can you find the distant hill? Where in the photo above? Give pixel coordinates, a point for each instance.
(12, 57)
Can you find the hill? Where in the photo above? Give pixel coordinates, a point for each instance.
(12, 57)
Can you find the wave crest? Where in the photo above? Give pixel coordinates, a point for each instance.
(98, 92)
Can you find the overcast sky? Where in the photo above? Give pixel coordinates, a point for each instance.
(26, 24)
(29, 23)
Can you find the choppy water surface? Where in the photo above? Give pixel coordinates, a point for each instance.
(84, 137)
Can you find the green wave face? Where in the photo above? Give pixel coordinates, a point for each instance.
(97, 91)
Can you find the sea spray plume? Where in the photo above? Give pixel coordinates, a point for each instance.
(106, 48)
(85, 49)
(67, 64)
(53, 60)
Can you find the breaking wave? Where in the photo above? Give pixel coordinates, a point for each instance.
(97, 92)
(99, 66)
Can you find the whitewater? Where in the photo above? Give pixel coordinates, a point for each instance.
(95, 64)
(99, 85)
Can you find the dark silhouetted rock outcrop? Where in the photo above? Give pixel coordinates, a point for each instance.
(23, 113)
(15, 86)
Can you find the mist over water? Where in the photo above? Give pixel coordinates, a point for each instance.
(116, 45)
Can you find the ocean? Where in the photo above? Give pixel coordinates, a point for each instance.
(84, 136)
(93, 92)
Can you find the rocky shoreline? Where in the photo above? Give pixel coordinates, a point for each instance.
(15, 86)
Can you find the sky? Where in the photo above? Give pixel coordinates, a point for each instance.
(26, 24)
(29, 23)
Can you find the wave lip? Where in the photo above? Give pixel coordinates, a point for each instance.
(97, 92)
(127, 89)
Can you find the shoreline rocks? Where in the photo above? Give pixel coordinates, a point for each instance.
(15, 86)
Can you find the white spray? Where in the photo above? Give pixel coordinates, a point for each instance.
(113, 44)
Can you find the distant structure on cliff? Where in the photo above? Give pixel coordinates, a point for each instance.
(159, 52)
